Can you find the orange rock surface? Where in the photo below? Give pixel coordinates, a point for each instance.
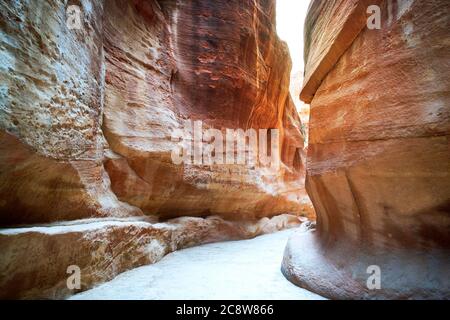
(103, 248)
(51, 151)
(87, 115)
(86, 123)
(206, 63)
(378, 168)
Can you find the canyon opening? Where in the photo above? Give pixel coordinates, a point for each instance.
(224, 150)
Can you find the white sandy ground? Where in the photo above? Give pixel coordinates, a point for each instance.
(247, 269)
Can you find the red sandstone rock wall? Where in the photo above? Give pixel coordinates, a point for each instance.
(378, 169)
(86, 118)
(86, 115)
(52, 84)
(219, 62)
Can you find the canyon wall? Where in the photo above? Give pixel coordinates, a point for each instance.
(216, 62)
(378, 168)
(87, 117)
(52, 87)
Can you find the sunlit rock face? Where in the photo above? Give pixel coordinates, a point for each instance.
(378, 160)
(86, 115)
(51, 106)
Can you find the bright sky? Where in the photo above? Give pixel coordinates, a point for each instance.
(290, 19)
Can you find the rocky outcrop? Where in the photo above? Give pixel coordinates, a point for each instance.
(37, 262)
(218, 62)
(51, 148)
(87, 117)
(378, 159)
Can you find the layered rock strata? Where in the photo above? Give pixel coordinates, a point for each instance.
(211, 61)
(88, 114)
(378, 160)
(40, 261)
(52, 146)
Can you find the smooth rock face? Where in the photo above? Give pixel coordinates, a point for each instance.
(327, 39)
(218, 62)
(378, 160)
(86, 116)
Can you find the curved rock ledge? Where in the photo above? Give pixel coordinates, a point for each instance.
(87, 115)
(330, 28)
(340, 271)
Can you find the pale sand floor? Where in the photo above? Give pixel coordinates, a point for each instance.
(247, 269)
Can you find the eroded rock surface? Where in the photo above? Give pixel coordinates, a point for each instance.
(51, 148)
(35, 260)
(87, 115)
(219, 62)
(378, 160)
(86, 123)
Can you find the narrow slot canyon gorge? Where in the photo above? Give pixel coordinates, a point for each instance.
(158, 149)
